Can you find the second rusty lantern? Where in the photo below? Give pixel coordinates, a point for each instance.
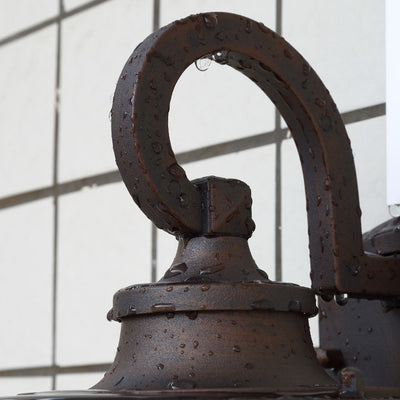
(215, 322)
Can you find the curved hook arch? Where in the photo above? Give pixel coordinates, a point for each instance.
(159, 185)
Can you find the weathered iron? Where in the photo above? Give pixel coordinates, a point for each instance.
(365, 332)
(214, 286)
(215, 326)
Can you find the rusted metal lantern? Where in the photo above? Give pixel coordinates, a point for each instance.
(215, 326)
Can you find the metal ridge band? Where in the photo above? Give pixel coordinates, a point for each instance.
(191, 297)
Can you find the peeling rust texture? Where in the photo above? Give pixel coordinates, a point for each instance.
(160, 187)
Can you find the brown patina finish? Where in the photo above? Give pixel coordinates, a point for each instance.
(159, 185)
(365, 332)
(215, 326)
(215, 321)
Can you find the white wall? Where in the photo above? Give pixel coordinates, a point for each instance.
(393, 101)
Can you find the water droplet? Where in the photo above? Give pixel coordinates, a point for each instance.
(326, 297)
(321, 244)
(319, 199)
(369, 330)
(263, 304)
(306, 69)
(220, 36)
(264, 67)
(181, 384)
(248, 26)
(211, 269)
(341, 299)
(295, 305)
(152, 85)
(183, 200)
(236, 348)
(132, 309)
(157, 147)
(210, 353)
(163, 307)
(327, 183)
(326, 123)
(169, 289)
(245, 63)
(192, 314)
(203, 63)
(182, 345)
(123, 76)
(110, 114)
(210, 20)
(160, 366)
(167, 77)
(176, 269)
(355, 270)
(323, 314)
(205, 287)
(320, 103)
(288, 53)
(195, 344)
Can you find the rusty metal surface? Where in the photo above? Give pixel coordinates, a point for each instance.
(260, 350)
(366, 331)
(215, 320)
(213, 278)
(159, 185)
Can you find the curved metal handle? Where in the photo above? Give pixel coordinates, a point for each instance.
(159, 185)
